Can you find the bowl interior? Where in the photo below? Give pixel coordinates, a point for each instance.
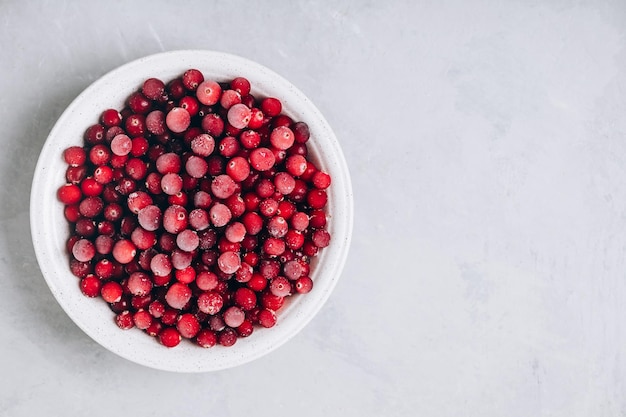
(50, 230)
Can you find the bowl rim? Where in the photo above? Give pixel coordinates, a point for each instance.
(46, 249)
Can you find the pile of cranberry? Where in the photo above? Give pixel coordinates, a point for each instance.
(194, 211)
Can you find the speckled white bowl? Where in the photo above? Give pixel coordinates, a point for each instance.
(50, 229)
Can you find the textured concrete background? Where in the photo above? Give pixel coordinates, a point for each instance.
(486, 141)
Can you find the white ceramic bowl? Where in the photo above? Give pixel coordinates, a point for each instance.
(50, 229)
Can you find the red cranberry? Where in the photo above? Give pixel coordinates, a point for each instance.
(188, 325)
(153, 89)
(192, 78)
(271, 106)
(138, 103)
(169, 337)
(266, 318)
(124, 320)
(206, 338)
(208, 92)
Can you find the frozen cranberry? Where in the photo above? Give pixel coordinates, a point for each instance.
(196, 166)
(234, 316)
(153, 89)
(188, 325)
(244, 273)
(208, 92)
(178, 119)
(225, 245)
(277, 226)
(124, 251)
(71, 213)
(136, 169)
(266, 318)
(229, 147)
(168, 163)
(293, 270)
(203, 145)
(190, 104)
(294, 239)
(227, 337)
(210, 302)
(321, 238)
(206, 338)
(250, 243)
(181, 259)
(235, 232)
(83, 250)
(282, 138)
(239, 115)
(238, 169)
(142, 319)
(156, 308)
(280, 287)
(139, 284)
(229, 98)
(262, 159)
(308, 173)
(187, 240)
(284, 183)
(138, 200)
(268, 207)
(178, 295)
(299, 193)
(206, 281)
(220, 215)
(229, 262)
(273, 246)
(223, 186)
(85, 227)
(257, 119)
(149, 217)
(171, 184)
(99, 155)
(124, 320)
(160, 265)
(213, 124)
(91, 207)
(125, 186)
(309, 248)
(321, 180)
(121, 145)
(142, 238)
